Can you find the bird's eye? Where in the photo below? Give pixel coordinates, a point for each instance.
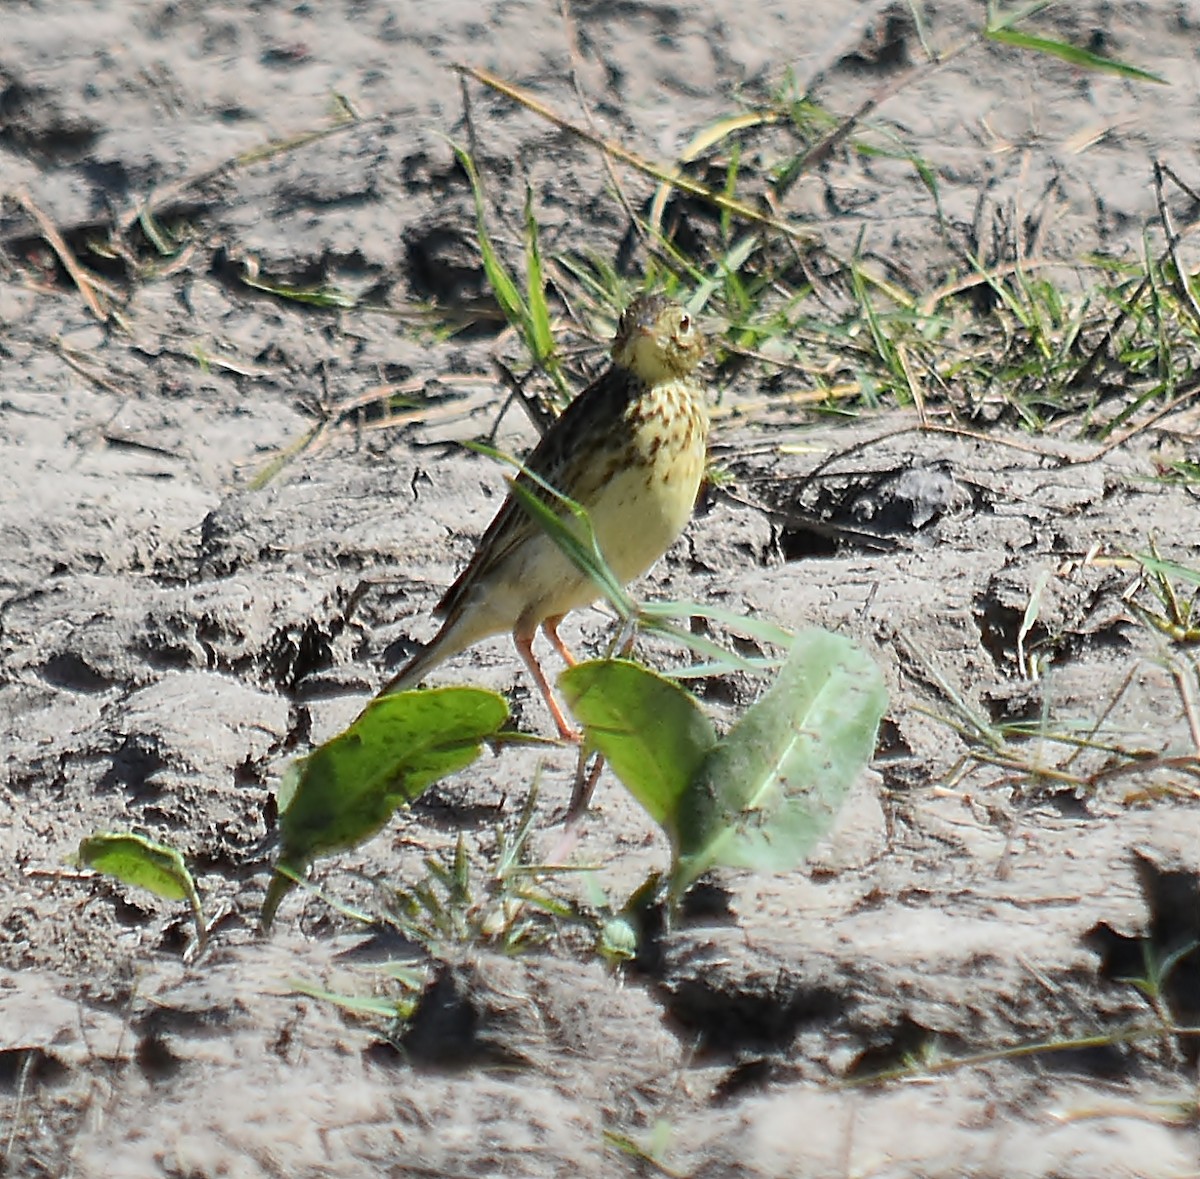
(685, 324)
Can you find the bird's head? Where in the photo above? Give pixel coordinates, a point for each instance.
(657, 339)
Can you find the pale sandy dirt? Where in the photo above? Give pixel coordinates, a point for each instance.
(169, 637)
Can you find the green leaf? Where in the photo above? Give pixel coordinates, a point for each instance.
(655, 616)
(649, 729)
(538, 336)
(347, 789)
(136, 860)
(322, 295)
(1070, 53)
(761, 629)
(771, 789)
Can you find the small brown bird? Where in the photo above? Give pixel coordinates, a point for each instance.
(631, 449)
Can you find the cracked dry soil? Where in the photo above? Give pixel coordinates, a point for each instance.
(168, 636)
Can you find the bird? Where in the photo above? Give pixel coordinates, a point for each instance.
(631, 449)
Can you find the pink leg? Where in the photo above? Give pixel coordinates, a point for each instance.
(524, 643)
(550, 626)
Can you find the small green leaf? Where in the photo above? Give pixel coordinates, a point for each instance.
(617, 940)
(136, 860)
(347, 789)
(322, 295)
(772, 788)
(649, 729)
(1155, 564)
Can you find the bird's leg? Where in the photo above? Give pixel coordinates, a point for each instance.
(524, 643)
(588, 770)
(550, 626)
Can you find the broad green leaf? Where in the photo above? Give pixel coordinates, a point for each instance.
(136, 860)
(346, 790)
(649, 729)
(771, 789)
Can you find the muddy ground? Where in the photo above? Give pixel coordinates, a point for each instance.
(169, 636)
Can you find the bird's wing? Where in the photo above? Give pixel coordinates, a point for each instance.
(602, 401)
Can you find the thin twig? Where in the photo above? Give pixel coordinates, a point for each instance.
(1187, 393)
(537, 414)
(665, 175)
(171, 192)
(66, 255)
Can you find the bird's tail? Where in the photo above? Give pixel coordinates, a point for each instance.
(413, 672)
(444, 644)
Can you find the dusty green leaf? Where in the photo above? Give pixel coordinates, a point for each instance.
(347, 789)
(649, 729)
(134, 859)
(772, 788)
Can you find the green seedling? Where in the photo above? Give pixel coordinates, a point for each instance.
(1175, 618)
(134, 859)
(449, 906)
(856, 330)
(761, 797)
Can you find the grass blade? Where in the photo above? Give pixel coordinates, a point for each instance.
(1082, 58)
